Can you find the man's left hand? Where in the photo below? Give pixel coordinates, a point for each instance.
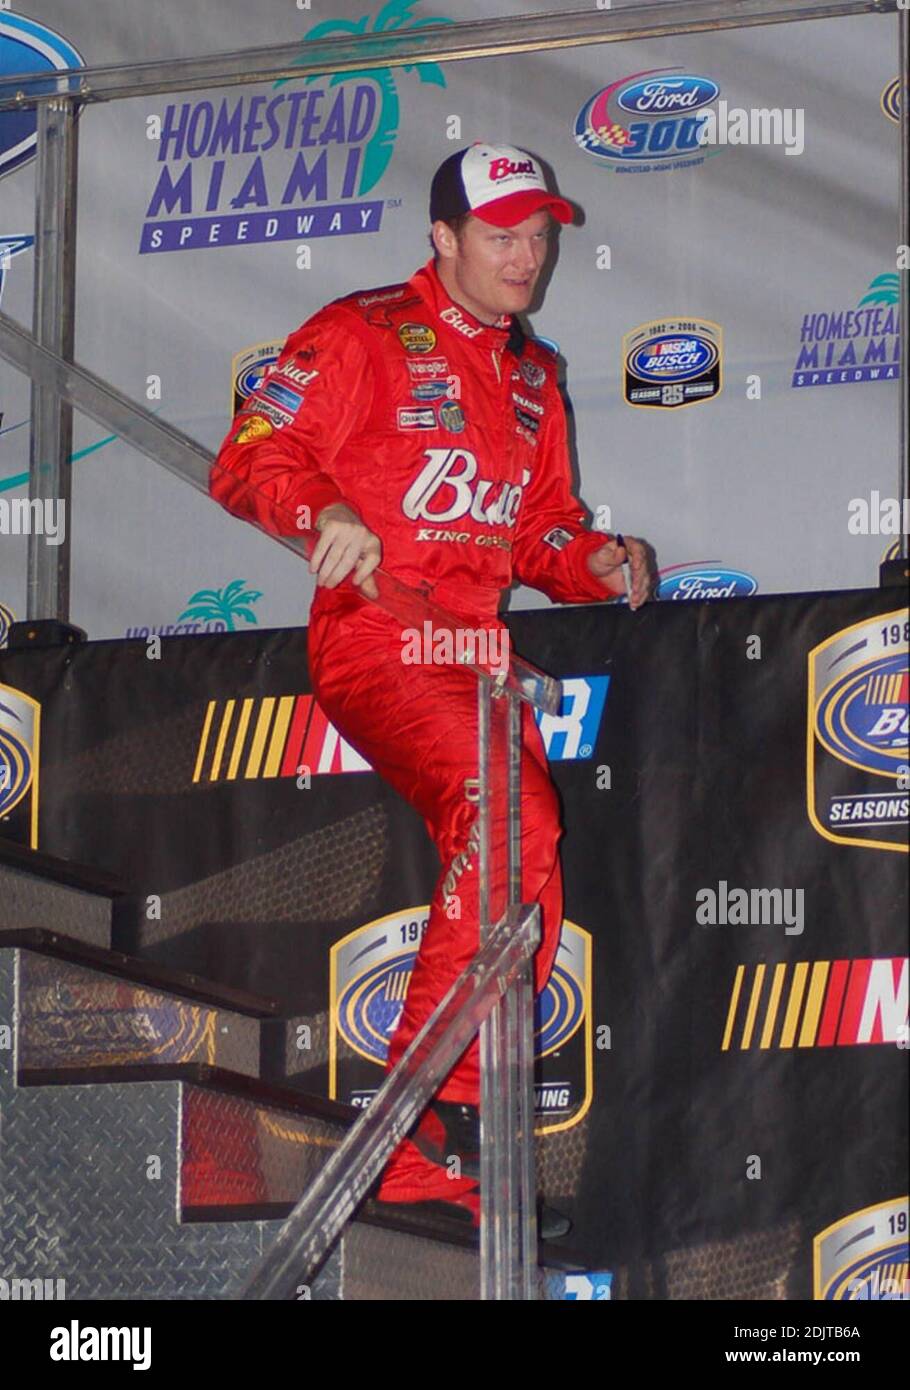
(606, 564)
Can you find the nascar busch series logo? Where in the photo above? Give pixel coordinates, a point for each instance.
(648, 121)
(864, 1255)
(248, 368)
(858, 774)
(675, 362)
(27, 47)
(7, 618)
(20, 724)
(254, 168)
(370, 970)
(891, 100)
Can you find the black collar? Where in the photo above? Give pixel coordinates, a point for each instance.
(517, 338)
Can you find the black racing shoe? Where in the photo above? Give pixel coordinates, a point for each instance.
(551, 1224)
(450, 1130)
(431, 1208)
(462, 1134)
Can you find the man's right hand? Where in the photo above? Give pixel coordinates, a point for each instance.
(345, 544)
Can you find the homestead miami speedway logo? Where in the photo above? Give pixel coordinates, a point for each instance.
(369, 973)
(297, 161)
(857, 772)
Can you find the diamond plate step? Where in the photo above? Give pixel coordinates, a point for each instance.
(71, 1018)
(39, 890)
(169, 1188)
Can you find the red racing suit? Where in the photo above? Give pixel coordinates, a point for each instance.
(448, 438)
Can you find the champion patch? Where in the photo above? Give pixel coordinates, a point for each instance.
(418, 418)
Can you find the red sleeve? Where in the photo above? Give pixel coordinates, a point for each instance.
(277, 458)
(552, 542)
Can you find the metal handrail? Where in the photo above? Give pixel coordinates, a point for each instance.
(340, 1186)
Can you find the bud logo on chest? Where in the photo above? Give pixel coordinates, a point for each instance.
(456, 319)
(448, 487)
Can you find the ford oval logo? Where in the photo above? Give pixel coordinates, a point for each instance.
(26, 46)
(673, 357)
(677, 95)
(706, 581)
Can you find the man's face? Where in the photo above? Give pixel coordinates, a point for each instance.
(493, 270)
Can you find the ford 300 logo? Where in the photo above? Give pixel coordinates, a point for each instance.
(673, 358)
(667, 96)
(26, 46)
(706, 581)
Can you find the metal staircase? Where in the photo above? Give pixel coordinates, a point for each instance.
(142, 1154)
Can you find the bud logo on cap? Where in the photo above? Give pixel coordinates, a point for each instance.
(498, 183)
(490, 172)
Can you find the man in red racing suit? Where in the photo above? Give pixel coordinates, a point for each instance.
(432, 423)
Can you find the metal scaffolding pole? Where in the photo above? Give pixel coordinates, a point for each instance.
(51, 441)
(435, 43)
(903, 467)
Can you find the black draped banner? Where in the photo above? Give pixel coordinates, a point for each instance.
(723, 1042)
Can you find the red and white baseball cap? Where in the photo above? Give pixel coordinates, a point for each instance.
(497, 183)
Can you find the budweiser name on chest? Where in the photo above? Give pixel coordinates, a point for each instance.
(447, 487)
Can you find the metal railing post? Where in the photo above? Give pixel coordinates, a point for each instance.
(51, 442)
(521, 999)
(508, 1244)
(903, 466)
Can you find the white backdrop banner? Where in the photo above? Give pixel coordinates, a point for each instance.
(725, 308)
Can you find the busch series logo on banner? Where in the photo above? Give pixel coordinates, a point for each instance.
(672, 362)
(370, 969)
(857, 774)
(864, 1255)
(20, 724)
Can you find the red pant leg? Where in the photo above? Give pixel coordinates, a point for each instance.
(417, 725)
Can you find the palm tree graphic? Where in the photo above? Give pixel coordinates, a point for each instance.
(227, 604)
(396, 14)
(884, 289)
